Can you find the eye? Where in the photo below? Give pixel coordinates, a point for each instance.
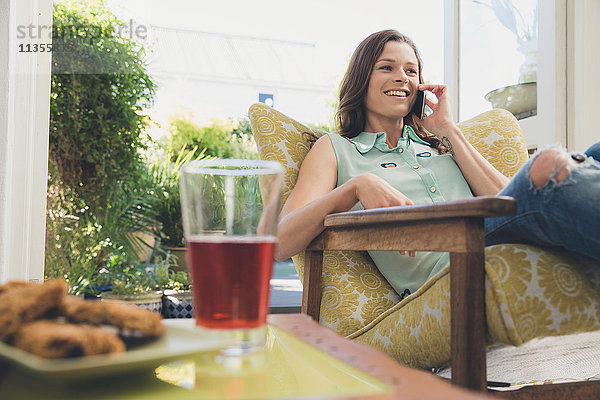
(386, 67)
(411, 71)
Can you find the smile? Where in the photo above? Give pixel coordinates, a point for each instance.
(396, 93)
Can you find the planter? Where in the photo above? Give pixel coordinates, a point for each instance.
(182, 260)
(520, 99)
(145, 245)
(151, 300)
(178, 304)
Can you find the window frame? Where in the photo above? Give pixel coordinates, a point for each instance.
(24, 122)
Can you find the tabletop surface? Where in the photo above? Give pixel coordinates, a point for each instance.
(301, 359)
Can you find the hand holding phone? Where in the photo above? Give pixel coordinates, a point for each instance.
(419, 106)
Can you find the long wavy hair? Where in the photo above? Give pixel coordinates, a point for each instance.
(351, 115)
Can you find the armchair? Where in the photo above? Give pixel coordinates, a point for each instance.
(529, 291)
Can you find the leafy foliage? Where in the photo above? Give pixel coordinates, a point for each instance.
(138, 279)
(80, 243)
(99, 91)
(100, 88)
(101, 190)
(166, 206)
(221, 139)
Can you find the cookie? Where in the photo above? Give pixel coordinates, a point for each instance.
(124, 316)
(15, 284)
(51, 339)
(24, 303)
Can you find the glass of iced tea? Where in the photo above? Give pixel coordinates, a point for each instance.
(230, 212)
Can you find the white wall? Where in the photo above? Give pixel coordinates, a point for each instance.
(24, 114)
(228, 98)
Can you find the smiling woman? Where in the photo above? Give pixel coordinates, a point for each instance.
(375, 154)
(391, 91)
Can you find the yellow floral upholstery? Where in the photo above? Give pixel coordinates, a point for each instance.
(530, 292)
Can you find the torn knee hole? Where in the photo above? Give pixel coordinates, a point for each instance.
(550, 164)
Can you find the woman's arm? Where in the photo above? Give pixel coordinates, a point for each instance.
(482, 177)
(312, 199)
(315, 196)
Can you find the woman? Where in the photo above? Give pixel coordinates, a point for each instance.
(384, 155)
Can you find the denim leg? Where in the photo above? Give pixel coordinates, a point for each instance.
(562, 215)
(594, 151)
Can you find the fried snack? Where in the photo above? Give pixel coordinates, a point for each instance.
(24, 303)
(50, 339)
(121, 315)
(16, 284)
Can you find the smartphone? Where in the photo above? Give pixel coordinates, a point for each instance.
(419, 107)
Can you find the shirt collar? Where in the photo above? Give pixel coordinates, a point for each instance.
(365, 141)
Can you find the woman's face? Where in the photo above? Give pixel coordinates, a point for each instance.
(393, 85)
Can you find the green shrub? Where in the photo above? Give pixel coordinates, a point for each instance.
(221, 139)
(165, 204)
(99, 90)
(79, 243)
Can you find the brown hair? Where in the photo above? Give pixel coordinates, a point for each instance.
(351, 116)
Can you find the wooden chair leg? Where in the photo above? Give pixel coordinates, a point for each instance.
(467, 306)
(311, 286)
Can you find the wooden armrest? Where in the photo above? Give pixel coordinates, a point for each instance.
(456, 227)
(484, 206)
(443, 226)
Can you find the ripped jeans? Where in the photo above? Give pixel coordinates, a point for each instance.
(563, 214)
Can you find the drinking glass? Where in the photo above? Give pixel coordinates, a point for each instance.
(230, 212)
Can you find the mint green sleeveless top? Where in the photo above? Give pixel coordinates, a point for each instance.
(421, 174)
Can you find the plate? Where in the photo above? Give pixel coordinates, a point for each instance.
(176, 343)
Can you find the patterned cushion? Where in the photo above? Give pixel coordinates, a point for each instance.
(530, 292)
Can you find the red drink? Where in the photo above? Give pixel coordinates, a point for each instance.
(231, 277)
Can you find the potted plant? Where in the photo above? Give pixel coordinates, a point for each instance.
(133, 283)
(520, 98)
(166, 206)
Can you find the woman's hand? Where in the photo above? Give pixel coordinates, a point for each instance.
(374, 192)
(440, 122)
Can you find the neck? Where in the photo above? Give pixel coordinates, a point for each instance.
(393, 130)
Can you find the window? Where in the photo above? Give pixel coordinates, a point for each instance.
(498, 57)
(482, 56)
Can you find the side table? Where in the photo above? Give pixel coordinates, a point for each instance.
(302, 359)
(408, 383)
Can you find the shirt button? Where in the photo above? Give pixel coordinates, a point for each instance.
(400, 150)
(415, 167)
(432, 189)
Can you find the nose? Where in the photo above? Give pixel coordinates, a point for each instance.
(401, 76)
